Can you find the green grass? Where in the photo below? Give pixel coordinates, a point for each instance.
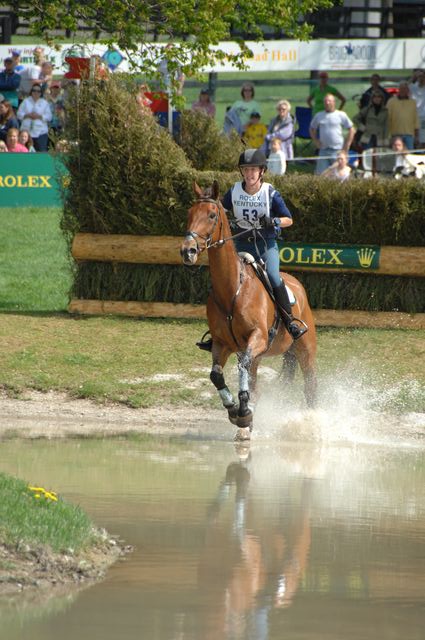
(28, 519)
(35, 274)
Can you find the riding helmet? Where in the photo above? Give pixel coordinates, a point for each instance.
(252, 158)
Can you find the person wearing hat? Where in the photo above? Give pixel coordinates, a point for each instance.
(366, 97)
(56, 103)
(9, 83)
(255, 131)
(372, 122)
(317, 95)
(259, 215)
(204, 103)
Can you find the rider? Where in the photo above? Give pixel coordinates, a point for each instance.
(261, 212)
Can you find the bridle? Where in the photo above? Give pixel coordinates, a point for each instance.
(208, 239)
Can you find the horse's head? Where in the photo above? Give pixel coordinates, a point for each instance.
(203, 228)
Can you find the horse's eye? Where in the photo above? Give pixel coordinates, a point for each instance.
(211, 215)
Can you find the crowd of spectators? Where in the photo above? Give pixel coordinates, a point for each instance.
(384, 116)
(32, 104)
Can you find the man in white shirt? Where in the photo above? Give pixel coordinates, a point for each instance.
(30, 73)
(327, 133)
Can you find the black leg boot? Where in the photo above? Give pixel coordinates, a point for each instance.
(284, 306)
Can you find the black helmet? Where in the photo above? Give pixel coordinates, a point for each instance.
(252, 158)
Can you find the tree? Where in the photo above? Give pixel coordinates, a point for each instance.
(196, 25)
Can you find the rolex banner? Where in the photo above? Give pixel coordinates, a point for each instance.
(30, 180)
(329, 256)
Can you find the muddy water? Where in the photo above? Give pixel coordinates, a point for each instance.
(291, 540)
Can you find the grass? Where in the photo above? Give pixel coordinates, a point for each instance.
(28, 519)
(34, 272)
(143, 363)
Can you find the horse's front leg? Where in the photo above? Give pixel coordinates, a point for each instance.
(220, 355)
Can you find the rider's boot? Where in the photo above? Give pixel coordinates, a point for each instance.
(284, 307)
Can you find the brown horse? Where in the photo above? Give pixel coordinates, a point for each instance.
(241, 313)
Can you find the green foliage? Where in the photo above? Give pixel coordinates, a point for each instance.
(128, 24)
(206, 146)
(30, 517)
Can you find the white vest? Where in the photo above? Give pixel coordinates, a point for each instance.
(249, 210)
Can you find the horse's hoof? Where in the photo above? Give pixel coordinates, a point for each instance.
(244, 421)
(233, 413)
(243, 434)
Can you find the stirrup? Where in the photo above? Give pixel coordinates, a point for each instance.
(295, 330)
(205, 345)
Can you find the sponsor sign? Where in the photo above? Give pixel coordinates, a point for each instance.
(329, 256)
(30, 180)
(268, 55)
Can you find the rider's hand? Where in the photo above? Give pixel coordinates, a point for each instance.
(270, 223)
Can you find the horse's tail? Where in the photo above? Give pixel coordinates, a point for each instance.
(289, 365)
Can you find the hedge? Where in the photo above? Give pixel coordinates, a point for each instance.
(128, 176)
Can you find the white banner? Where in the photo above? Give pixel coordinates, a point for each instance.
(269, 55)
(415, 53)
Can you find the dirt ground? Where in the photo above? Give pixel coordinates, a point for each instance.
(54, 415)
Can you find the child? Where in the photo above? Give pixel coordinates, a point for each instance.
(339, 170)
(276, 162)
(255, 131)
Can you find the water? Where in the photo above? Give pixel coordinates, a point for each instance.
(302, 538)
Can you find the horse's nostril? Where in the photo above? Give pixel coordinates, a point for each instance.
(192, 251)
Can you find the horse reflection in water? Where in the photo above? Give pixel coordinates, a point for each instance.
(260, 565)
(241, 314)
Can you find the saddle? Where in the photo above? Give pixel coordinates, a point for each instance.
(259, 268)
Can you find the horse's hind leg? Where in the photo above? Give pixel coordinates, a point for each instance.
(220, 357)
(289, 365)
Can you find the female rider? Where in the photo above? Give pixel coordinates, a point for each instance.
(260, 212)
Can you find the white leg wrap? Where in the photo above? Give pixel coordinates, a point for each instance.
(226, 397)
(243, 379)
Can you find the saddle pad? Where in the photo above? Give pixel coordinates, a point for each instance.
(249, 259)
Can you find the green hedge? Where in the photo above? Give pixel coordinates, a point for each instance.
(128, 176)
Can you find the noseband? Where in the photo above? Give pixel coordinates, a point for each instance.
(208, 239)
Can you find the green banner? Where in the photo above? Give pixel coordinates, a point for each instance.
(329, 256)
(30, 180)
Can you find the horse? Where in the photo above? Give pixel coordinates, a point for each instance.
(242, 317)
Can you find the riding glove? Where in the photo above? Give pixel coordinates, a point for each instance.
(270, 223)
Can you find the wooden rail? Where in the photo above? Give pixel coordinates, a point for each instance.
(397, 261)
(323, 317)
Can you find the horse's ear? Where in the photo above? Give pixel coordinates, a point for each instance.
(197, 189)
(215, 190)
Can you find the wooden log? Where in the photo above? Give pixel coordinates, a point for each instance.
(397, 261)
(323, 317)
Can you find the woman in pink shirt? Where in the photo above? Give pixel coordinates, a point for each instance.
(12, 142)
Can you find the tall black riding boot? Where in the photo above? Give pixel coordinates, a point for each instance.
(284, 306)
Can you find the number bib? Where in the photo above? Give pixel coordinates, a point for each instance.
(248, 210)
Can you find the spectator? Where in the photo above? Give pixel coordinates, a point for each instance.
(56, 103)
(317, 96)
(247, 105)
(204, 103)
(375, 86)
(16, 57)
(46, 76)
(172, 75)
(9, 83)
(255, 132)
(417, 91)
(340, 169)
(332, 122)
(372, 123)
(30, 74)
(25, 139)
(35, 114)
(3, 146)
(403, 119)
(13, 145)
(8, 119)
(142, 99)
(276, 162)
(406, 164)
(281, 127)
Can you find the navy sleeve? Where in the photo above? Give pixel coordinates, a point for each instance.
(278, 207)
(227, 200)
